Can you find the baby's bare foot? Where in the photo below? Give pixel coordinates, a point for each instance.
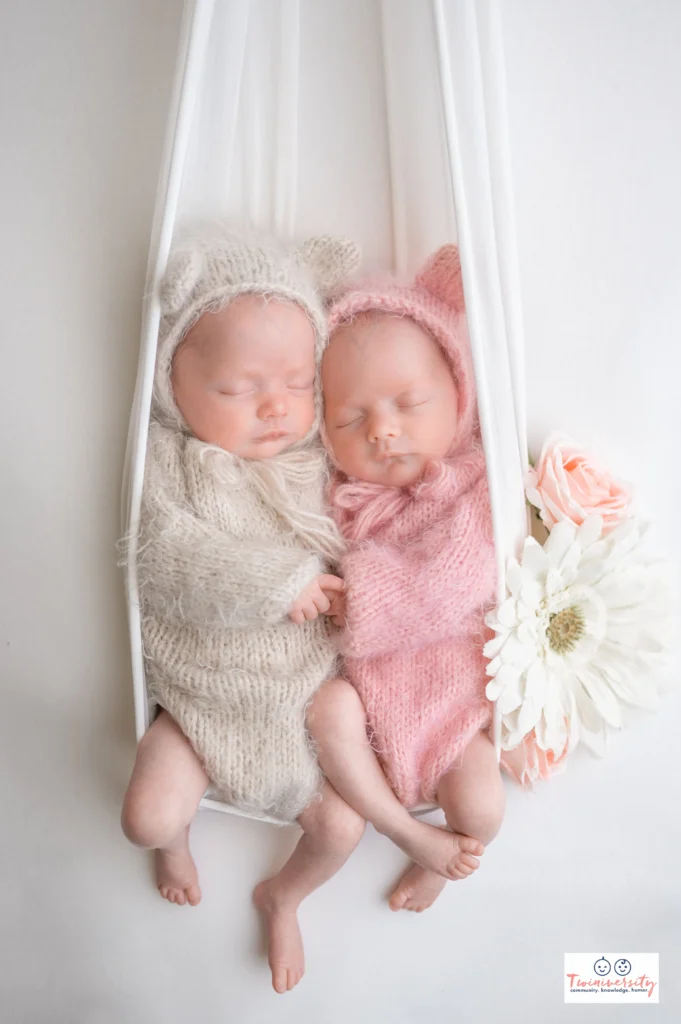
(285, 943)
(416, 890)
(176, 876)
(449, 854)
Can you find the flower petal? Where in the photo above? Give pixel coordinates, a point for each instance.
(506, 613)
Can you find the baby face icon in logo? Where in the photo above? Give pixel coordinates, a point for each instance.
(602, 967)
(622, 967)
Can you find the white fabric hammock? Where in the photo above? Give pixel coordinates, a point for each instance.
(383, 120)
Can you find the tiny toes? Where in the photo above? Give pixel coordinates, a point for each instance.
(399, 900)
(280, 979)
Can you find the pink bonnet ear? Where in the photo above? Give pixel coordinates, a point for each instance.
(441, 277)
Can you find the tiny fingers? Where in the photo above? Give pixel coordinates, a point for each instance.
(322, 603)
(303, 613)
(310, 611)
(328, 582)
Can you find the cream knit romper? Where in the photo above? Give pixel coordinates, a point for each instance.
(218, 568)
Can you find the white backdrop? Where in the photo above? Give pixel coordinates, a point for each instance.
(590, 862)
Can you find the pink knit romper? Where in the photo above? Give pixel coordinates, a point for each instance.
(420, 569)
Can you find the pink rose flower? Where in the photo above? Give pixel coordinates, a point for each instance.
(566, 483)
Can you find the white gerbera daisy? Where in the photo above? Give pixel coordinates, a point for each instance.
(585, 623)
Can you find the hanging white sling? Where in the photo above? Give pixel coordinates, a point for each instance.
(429, 132)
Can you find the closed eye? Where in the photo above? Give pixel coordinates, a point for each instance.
(301, 387)
(414, 405)
(349, 423)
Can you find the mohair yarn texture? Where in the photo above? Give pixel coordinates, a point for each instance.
(227, 544)
(420, 572)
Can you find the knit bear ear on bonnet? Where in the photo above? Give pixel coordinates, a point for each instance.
(435, 301)
(181, 276)
(332, 262)
(212, 264)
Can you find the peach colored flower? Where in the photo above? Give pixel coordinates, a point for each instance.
(527, 762)
(566, 483)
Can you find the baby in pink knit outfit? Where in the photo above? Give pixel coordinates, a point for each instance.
(410, 496)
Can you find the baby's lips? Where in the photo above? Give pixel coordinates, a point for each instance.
(382, 456)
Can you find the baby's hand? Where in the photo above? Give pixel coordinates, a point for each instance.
(316, 598)
(336, 610)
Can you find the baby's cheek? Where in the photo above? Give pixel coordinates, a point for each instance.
(305, 412)
(346, 452)
(233, 422)
(441, 430)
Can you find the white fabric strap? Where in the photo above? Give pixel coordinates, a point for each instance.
(194, 38)
(469, 58)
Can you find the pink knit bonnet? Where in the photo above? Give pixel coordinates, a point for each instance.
(435, 301)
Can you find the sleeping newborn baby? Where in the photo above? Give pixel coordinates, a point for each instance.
(411, 499)
(234, 549)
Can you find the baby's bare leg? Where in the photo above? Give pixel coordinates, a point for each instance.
(473, 799)
(472, 795)
(166, 786)
(331, 830)
(337, 721)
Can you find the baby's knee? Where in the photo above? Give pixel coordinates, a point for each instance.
(151, 826)
(344, 827)
(480, 820)
(335, 824)
(333, 702)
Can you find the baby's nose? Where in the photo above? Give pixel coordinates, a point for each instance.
(272, 406)
(382, 430)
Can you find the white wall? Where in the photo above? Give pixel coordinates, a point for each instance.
(589, 863)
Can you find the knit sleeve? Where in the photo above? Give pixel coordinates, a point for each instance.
(191, 571)
(400, 599)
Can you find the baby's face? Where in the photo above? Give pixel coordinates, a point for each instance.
(243, 378)
(390, 399)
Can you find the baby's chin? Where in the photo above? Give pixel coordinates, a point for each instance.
(259, 450)
(255, 450)
(397, 471)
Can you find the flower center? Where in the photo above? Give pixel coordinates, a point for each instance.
(566, 629)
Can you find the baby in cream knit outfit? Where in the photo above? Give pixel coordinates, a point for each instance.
(234, 549)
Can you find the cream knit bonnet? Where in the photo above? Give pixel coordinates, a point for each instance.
(211, 264)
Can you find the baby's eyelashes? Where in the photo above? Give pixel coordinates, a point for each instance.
(412, 402)
(351, 418)
(239, 390)
(235, 392)
(347, 421)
